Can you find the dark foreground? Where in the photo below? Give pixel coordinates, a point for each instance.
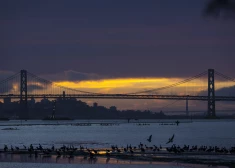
(114, 155)
(24, 159)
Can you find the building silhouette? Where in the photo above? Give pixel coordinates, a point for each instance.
(70, 108)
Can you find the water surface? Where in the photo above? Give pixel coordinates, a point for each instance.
(201, 132)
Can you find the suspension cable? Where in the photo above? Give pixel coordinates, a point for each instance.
(63, 87)
(172, 85)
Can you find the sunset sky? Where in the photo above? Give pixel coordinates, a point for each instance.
(115, 46)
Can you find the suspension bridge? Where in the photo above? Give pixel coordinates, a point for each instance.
(25, 85)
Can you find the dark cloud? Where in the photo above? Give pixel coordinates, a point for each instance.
(6, 90)
(71, 75)
(78, 76)
(32, 87)
(7, 80)
(114, 39)
(225, 91)
(218, 8)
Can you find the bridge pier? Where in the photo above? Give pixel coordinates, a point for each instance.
(63, 95)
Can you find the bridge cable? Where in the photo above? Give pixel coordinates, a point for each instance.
(167, 105)
(9, 78)
(172, 85)
(225, 76)
(52, 83)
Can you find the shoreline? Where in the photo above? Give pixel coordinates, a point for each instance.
(81, 157)
(107, 165)
(118, 160)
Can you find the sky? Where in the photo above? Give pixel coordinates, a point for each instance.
(114, 46)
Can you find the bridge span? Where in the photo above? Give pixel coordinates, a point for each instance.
(121, 96)
(24, 85)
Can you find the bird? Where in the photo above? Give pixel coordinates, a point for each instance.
(177, 122)
(171, 139)
(95, 151)
(58, 153)
(107, 154)
(12, 149)
(150, 138)
(142, 150)
(24, 146)
(5, 148)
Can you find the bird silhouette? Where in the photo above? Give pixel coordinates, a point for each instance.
(150, 138)
(171, 139)
(177, 122)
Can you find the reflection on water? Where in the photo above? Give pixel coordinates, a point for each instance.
(25, 158)
(48, 133)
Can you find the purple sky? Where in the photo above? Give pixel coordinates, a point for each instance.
(93, 39)
(135, 38)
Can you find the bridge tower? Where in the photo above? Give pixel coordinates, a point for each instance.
(23, 95)
(211, 94)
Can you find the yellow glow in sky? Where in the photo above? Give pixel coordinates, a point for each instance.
(131, 83)
(127, 85)
(120, 85)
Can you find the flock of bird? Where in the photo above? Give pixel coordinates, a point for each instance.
(208, 149)
(39, 150)
(71, 151)
(169, 141)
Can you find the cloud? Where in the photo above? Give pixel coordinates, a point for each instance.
(71, 75)
(223, 91)
(79, 76)
(226, 91)
(6, 90)
(33, 87)
(8, 82)
(218, 8)
(167, 35)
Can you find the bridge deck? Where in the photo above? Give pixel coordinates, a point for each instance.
(123, 96)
